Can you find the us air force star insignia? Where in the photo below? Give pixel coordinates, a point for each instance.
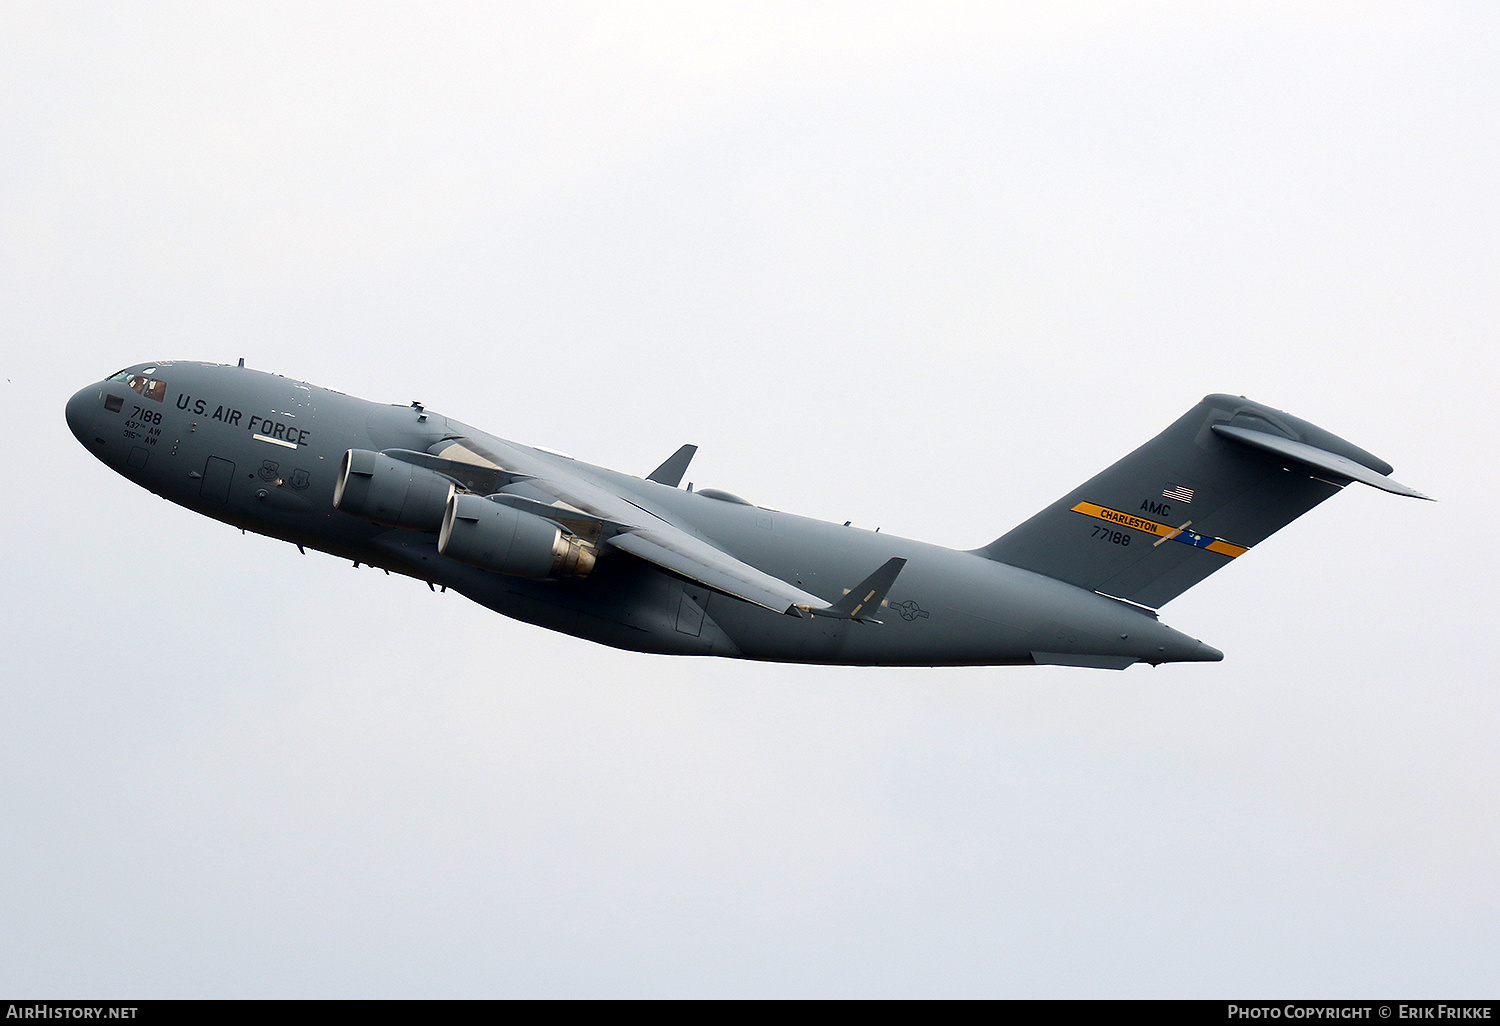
(909, 610)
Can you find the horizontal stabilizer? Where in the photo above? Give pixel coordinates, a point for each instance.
(670, 473)
(1312, 456)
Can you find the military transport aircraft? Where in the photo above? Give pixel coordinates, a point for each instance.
(641, 563)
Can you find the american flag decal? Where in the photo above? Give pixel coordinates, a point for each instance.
(1178, 492)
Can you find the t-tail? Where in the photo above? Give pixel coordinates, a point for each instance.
(1223, 478)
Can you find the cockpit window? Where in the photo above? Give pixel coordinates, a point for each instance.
(151, 388)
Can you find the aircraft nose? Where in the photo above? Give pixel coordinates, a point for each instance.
(81, 413)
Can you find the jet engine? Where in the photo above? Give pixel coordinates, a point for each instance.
(497, 537)
(376, 487)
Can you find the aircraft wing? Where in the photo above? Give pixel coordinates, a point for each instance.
(673, 549)
(580, 503)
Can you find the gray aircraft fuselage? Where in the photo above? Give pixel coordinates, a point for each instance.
(263, 452)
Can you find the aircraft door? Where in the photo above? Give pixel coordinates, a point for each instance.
(690, 612)
(217, 474)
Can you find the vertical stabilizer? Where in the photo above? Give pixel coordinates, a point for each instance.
(1220, 480)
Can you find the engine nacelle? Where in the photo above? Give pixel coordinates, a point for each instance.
(493, 536)
(374, 486)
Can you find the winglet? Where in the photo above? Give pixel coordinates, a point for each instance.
(670, 473)
(867, 596)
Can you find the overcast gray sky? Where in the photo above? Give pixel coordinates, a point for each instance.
(1026, 236)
